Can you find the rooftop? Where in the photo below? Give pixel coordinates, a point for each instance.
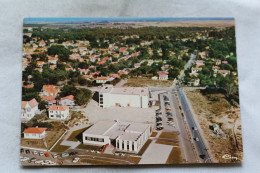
(34, 130)
(116, 129)
(125, 90)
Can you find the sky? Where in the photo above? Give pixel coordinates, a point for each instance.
(112, 19)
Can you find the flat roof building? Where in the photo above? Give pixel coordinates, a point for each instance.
(124, 97)
(124, 136)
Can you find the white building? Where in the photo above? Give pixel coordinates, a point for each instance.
(29, 109)
(102, 79)
(123, 97)
(124, 136)
(68, 100)
(58, 112)
(34, 133)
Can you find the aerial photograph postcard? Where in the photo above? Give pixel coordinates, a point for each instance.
(129, 91)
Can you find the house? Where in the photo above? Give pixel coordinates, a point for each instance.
(29, 109)
(83, 71)
(215, 68)
(50, 100)
(163, 75)
(42, 43)
(218, 62)
(52, 60)
(137, 65)
(67, 101)
(199, 62)
(102, 79)
(124, 97)
(35, 133)
(40, 64)
(224, 72)
(123, 136)
(194, 82)
(154, 77)
(49, 90)
(58, 112)
(195, 70)
(224, 62)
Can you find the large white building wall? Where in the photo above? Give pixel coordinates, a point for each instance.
(34, 135)
(106, 139)
(124, 100)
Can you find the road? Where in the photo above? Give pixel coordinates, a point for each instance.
(188, 65)
(200, 144)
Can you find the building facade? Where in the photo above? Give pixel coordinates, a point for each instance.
(29, 109)
(34, 133)
(124, 136)
(59, 112)
(123, 97)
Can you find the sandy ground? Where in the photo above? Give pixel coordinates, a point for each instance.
(95, 113)
(228, 117)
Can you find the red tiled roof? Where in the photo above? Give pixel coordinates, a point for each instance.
(32, 103)
(58, 107)
(34, 130)
(70, 97)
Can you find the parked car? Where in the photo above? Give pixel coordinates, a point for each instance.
(158, 124)
(158, 119)
(159, 128)
(203, 156)
(73, 153)
(168, 109)
(35, 152)
(54, 155)
(22, 150)
(33, 159)
(158, 111)
(46, 154)
(24, 159)
(158, 115)
(38, 161)
(41, 153)
(64, 155)
(75, 160)
(170, 119)
(27, 151)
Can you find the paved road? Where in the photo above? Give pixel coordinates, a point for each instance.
(200, 145)
(188, 65)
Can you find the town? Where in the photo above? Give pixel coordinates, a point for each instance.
(111, 94)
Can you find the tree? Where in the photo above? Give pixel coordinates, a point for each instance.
(229, 85)
(42, 105)
(83, 96)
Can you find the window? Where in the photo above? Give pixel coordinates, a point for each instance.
(34, 134)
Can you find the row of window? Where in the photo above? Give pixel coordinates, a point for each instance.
(127, 145)
(94, 139)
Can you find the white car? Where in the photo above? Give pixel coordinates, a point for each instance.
(24, 159)
(35, 152)
(41, 153)
(75, 160)
(54, 155)
(39, 162)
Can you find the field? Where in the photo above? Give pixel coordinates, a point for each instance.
(226, 116)
(60, 148)
(145, 146)
(147, 83)
(169, 135)
(89, 147)
(97, 162)
(74, 135)
(175, 156)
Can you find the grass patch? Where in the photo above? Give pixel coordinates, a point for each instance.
(154, 134)
(52, 137)
(36, 143)
(167, 143)
(89, 147)
(60, 148)
(175, 156)
(145, 146)
(76, 135)
(147, 82)
(169, 135)
(135, 159)
(98, 162)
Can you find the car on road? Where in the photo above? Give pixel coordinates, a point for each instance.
(35, 152)
(73, 153)
(54, 155)
(27, 151)
(194, 128)
(46, 154)
(41, 153)
(38, 161)
(158, 115)
(75, 160)
(196, 139)
(170, 119)
(168, 109)
(158, 111)
(203, 156)
(64, 155)
(24, 159)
